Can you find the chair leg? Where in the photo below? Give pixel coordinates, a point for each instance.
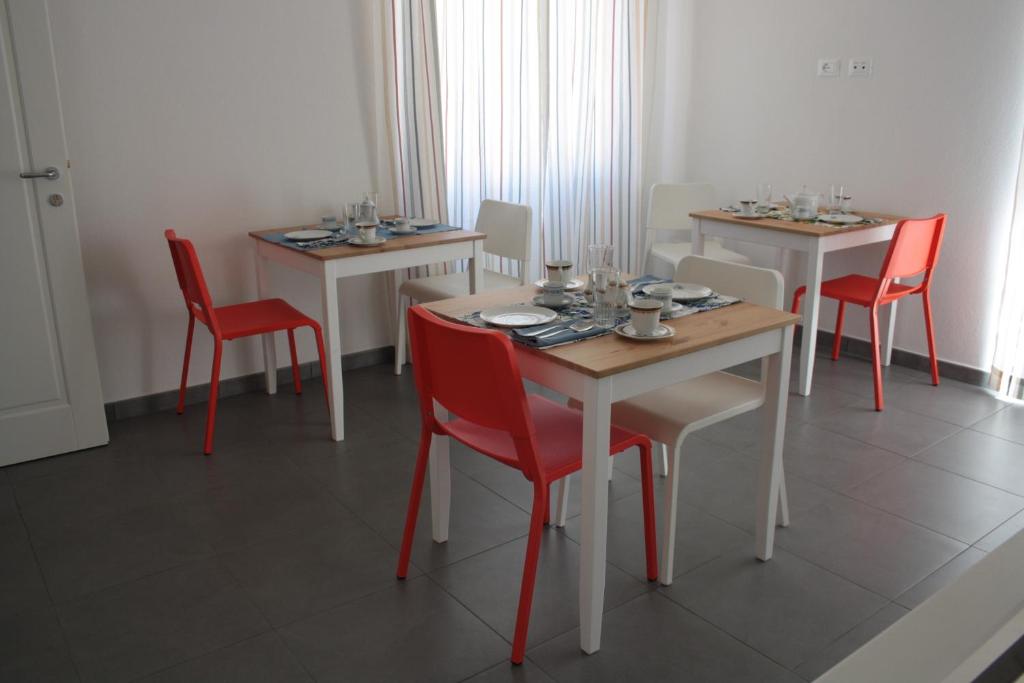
(838, 339)
(670, 508)
(547, 509)
(926, 301)
(318, 333)
(540, 502)
(650, 531)
(663, 449)
(211, 410)
(876, 360)
(184, 365)
(797, 295)
(563, 501)
(296, 380)
(401, 330)
(422, 457)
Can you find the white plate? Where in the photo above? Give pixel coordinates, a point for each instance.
(660, 332)
(565, 301)
(682, 291)
(307, 235)
(356, 242)
(408, 230)
(839, 218)
(517, 316)
(571, 286)
(422, 222)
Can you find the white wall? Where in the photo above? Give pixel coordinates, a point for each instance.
(937, 127)
(213, 118)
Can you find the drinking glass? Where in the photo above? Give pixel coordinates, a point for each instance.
(600, 256)
(606, 295)
(835, 199)
(764, 194)
(352, 213)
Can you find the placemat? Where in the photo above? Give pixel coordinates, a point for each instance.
(342, 236)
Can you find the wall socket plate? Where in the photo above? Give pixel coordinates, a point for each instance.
(859, 67)
(828, 68)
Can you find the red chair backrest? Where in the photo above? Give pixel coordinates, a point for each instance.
(914, 249)
(473, 373)
(191, 281)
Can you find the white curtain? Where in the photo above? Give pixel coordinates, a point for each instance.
(542, 105)
(1008, 365)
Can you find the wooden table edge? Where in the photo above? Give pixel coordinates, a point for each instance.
(809, 229)
(400, 244)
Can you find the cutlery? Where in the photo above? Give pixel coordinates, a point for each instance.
(535, 333)
(580, 326)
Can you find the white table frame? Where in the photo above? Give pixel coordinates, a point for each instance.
(815, 247)
(329, 272)
(597, 396)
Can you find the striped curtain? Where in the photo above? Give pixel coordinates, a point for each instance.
(1008, 365)
(542, 105)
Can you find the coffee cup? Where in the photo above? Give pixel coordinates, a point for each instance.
(559, 271)
(401, 224)
(644, 315)
(329, 222)
(367, 232)
(748, 207)
(662, 293)
(553, 293)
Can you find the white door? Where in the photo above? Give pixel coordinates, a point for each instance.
(50, 398)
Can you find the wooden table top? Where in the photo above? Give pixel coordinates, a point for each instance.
(397, 244)
(811, 229)
(612, 354)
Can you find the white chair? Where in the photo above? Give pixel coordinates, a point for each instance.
(669, 209)
(507, 227)
(671, 414)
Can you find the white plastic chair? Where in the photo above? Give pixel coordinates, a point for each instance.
(668, 209)
(507, 227)
(671, 414)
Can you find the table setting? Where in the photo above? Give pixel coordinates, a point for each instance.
(802, 207)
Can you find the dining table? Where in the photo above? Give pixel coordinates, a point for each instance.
(331, 263)
(601, 370)
(813, 238)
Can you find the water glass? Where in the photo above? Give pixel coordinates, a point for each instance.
(600, 256)
(835, 199)
(764, 194)
(352, 213)
(604, 282)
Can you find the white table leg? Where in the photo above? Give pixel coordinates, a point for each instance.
(476, 267)
(269, 347)
(440, 481)
(563, 501)
(770, 471)
(332, 342)
(811, 305)
(697, 238)
(594, 532)
(890, 331)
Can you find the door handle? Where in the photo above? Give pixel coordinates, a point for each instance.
(50, 173)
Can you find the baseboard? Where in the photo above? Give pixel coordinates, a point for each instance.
(167, 400)
(861, 348)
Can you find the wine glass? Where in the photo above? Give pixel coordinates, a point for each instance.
(764, 194)
(835, 199)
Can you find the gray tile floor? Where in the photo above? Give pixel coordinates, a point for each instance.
(273, 560)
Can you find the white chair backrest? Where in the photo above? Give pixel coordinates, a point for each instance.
(761, 286)
(507, 227)
(670, 206)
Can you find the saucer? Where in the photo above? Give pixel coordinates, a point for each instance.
(356, 242)
(307, 235)
(660, 332)
(566, 300)
(422, 222)
(839, 218)
(570, 286)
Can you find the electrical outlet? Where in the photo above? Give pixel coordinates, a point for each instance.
(828, 68)
(860, 67)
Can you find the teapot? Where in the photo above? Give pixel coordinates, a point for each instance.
(804, 204)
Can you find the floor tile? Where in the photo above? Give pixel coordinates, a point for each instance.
(1002, 533)
(982, 457)
(413, 631)
(1008, 423)
(506, 672)
(956, 402)
(833, 460)
(896, 430)
(874, 549)
(8, 505)
(853, 375)
(940, 578)
(823, 400)
(787, 608)
(653, 639)
(147, 625)
(851, 641)
(947, 503)
(489, 584)
(295, 577)
(263, 659)
(21, 583)
(32, 648)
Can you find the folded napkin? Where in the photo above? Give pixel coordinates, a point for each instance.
(564, 336)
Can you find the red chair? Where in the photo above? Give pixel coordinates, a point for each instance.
(231, 322)
(474, 374)
(914, 250)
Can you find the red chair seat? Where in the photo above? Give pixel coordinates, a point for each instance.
(559, 434)
(259, 317)
(861, 289)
